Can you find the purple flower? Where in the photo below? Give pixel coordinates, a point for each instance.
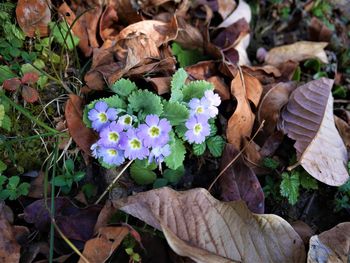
(159, 153)
(155, 132)
(198, 129)
(214, 101)
(125, 121)
(112, 135)
(95, 150)
(199, 107)
(133, 146)
(101, 115)
(111, 156)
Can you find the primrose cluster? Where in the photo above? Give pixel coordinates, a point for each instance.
(136, 124)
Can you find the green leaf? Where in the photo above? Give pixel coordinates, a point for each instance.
(3, 179)
(89, 190)
(124, 87)
(289, 187)
(145, 102)
(27, 68)
(142, 175)
(177, 82)
(6, 73)
(6, 123)
(63, 35)
(3, 166)
(15, 52)
(160, 182)
(174, 176)
(175, 112)
(23, 189)
(186, 57)
(69, 166)
(60, 181)
(78, 176)
(216, 145)
(308, 182)
(181, 130)
(297, 74)
(177, 155)
(270, 163)
(13, 182)
(196, 89)
(4, 194)
(199, 149)
(213, 129)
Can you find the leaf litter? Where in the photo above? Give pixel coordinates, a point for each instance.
(276, 114)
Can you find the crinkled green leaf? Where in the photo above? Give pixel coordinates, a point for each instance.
(177, 156)
(307, 181)
(216, 145)
(160, 182)
(289, 187)
(186, 57)
(175, 112)
(196, 89)
(144, 102)
(213, 129)
(124, 87)
(6, 73)
(142, 175)
(199, 149)
(181, 130)
(174, 176)
(3, 167)
(177, 82)
(6, 123)
(270, 163)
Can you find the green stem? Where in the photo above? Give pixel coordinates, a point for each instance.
(27, 114)
(52, 208)
(49, 134)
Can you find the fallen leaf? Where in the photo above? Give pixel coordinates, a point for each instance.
(82, 135)
(272, 103)
(344, 130)
(297, 52)
(225, 7)
(319, 31)
(308, 119)
(331, 246)
(79, 28)
(304, 231)
(161, 84)
(220, 87)
(12, 84)
(37, 186)
(30, 94)
(99, 249)
(239, 182)
(189, 37)
(108, 20)
(33, 16)
(242, 11)
(9, 248)
(74, 222)
(207, 230)
(241, 122)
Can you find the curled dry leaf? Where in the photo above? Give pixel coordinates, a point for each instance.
(304, 231)
(79, 28)
(33, 17)
(344, 130)
(239, 182)
(242, 11)
(207, 230)
(272, 103)
(331, 246)
(82, 135)
(9, 248)
(99, 249)
(308, 119)
(241, 122)
(298, 51)
(12, 84)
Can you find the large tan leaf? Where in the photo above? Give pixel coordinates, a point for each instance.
(242, 11)
(241, 122)
(308, 119)
(207, 230)
(331, 246)
(298, 51)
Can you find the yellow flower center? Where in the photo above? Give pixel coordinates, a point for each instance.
(135, 144)
(103, 117)
(112, 152)
(154, 131)
(113, 136)
(197, 128)
(127, 120)
(199, 109)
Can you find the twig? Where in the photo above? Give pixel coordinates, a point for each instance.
(114, 181)
(236, 157)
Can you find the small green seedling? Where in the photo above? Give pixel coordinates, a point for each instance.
(66, 180)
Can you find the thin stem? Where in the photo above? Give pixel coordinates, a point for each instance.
(114, 181)
(52, 208)
(17, 139)
(27, 114)
(236, 157)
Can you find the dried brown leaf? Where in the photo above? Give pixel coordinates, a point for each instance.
(344, 130)
(207, 230)
(33, 17)
(242, 11)
(308, 119)
(297, 52)
(331, 246)
(83, 136)
(9, 248)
